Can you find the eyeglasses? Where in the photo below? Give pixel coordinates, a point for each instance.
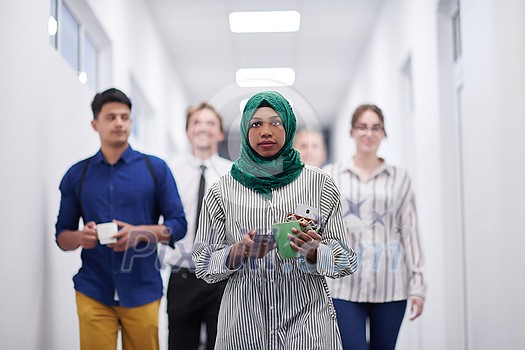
(374, 129)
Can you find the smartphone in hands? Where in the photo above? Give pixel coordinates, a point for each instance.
(262, 243)
(260, 238)
(304, 211)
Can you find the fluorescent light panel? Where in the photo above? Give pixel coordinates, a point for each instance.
(265, 21)
(259, 77)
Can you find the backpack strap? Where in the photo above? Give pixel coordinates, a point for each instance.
(81, 184)
(150, 168)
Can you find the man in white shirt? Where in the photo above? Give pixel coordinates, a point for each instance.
(193, 303)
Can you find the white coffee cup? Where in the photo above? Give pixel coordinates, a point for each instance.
(106, 231)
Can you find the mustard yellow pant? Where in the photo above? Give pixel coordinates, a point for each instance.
(99, 325)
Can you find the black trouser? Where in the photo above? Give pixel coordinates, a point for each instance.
(191, 302)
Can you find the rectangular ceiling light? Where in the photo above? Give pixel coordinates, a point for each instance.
(265, 21)
(262, 77)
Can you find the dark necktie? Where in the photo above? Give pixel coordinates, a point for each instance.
(202, 185)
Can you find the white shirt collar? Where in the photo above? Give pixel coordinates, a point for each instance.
(384, 167)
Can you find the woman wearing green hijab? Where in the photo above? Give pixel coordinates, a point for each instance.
(271, 302)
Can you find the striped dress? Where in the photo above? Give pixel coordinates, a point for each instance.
(381, 218)
(273, 303)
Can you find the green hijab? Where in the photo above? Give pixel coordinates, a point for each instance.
(263, 174)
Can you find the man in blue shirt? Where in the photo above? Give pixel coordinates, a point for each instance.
(118, 285)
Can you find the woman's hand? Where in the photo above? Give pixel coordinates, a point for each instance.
(247, 248)
(306, 243)
(259, 245)
(416, 307)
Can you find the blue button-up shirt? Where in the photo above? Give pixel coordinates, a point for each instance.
(126, 191)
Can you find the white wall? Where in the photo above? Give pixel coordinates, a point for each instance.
(21, 211)
(450, 79)
(45, 129)
(494, 171)
(408, 29)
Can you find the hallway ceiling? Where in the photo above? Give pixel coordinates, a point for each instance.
(323, 52)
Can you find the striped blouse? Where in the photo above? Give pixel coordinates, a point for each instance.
(380, 216)
(273, 303)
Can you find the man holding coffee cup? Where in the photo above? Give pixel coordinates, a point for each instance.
(120, 194)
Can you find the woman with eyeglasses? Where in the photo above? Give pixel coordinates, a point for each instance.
(380, 215)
